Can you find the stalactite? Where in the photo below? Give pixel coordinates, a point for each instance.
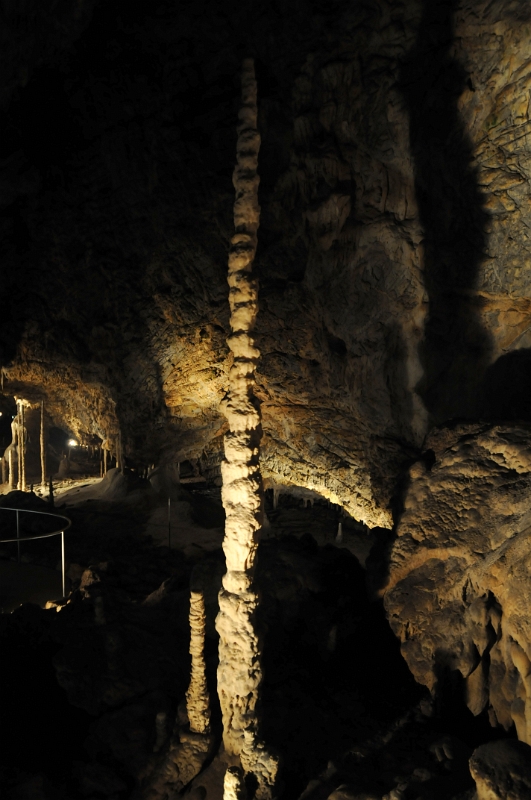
(119, 455)
(239, 671)
(197, 698)
(160, 730)
(339, 535)
(43, 450)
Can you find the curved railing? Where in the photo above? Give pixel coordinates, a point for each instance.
(61, 531)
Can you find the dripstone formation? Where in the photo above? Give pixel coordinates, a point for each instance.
(386, 380)
(239, 671)
(457, 592)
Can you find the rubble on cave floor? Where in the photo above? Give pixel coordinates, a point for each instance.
(338, 701)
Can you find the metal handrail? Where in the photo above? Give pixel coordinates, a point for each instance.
(41, 535)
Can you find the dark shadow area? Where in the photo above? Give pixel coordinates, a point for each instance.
(333, 672)
(453, 717)
(506, 391)
(41, 730)
(456, 348)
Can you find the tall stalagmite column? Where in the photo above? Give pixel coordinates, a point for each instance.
(43, 450)
(19, 480)
(11, 472)
(12, 450)
(22, 447)
(197, 698)
(239, 671)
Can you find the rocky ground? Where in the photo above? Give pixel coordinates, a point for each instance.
(90, 677)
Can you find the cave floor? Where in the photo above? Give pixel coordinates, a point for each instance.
(338, 702)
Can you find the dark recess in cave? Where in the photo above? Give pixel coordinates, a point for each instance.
(456, 349)
(506, 387)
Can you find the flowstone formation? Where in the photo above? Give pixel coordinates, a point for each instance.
(458, 593)
(239, 670)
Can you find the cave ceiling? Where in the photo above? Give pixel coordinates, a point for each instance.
(393, 244)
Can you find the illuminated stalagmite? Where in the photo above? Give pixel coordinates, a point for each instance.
(197, 699)
(21, 438)
(239, 671)
(190, 745)
(233, 786)
(43, 449)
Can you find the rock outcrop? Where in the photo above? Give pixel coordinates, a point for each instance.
(458, 592)
(502, 771)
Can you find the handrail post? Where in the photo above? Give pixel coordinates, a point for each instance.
(18, 537)
(63, 562)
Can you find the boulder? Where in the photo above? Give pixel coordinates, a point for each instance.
(502, 770)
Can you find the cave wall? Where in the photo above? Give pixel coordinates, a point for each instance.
(393, 243)
(457, 590)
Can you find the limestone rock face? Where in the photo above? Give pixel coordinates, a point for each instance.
(393, 246)
(502, 771)
(458, 593)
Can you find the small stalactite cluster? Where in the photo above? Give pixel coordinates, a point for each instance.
(239, 671)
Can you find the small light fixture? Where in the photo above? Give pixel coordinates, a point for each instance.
(72, 443)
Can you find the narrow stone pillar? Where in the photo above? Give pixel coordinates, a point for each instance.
(19, 457)
(11, 473)
(4, 470)
(239, 671)
(197, 697)
(43, 450)
(22, 447)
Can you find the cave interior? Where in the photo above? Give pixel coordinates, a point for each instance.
(265, 359)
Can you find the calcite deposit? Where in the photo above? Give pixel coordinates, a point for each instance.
(239, 670)
(457, 591)
(197, 698)
(394, 330)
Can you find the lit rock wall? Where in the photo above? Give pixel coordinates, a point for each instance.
(458, 593)
(393, 252)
